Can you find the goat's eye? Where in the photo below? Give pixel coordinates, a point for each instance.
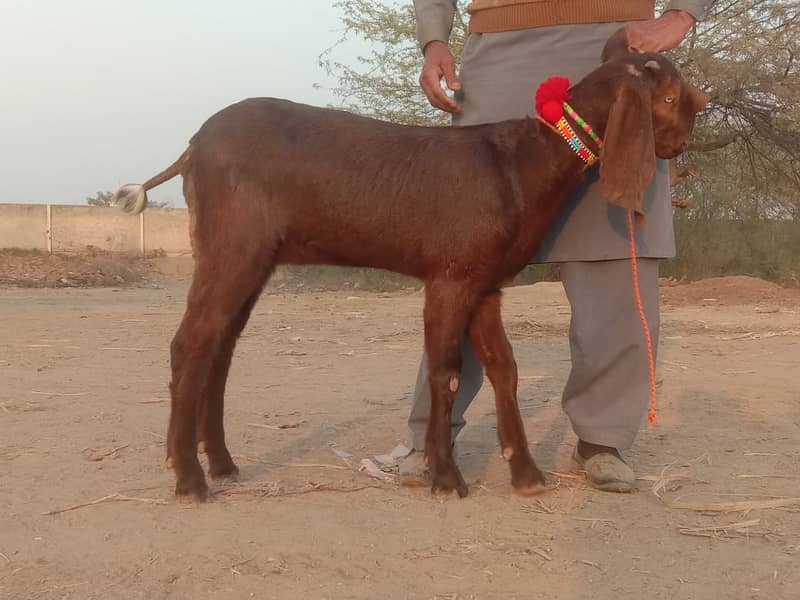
(669, 99)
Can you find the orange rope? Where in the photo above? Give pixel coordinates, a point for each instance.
(651, 363)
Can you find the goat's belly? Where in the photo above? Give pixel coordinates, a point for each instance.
(351, 250)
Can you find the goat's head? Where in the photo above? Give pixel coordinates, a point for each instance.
(652, 114)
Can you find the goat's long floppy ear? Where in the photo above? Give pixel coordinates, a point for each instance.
(628, 160)
(616, 46)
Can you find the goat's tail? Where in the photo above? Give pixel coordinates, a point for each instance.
(132, 198)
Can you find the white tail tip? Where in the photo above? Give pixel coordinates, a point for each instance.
(130, 198)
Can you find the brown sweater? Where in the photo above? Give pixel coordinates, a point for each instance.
(435, 17)
(506, 15)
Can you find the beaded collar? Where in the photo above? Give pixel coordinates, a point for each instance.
(551, 104)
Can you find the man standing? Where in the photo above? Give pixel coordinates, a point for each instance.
(512, 46)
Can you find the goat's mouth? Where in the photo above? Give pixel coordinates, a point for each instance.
(670, 153)
(671, 148)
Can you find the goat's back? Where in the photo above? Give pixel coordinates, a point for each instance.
(347, 189)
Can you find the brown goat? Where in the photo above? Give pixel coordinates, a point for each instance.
(462, 209)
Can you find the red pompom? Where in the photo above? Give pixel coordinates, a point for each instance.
(550, 97)
(552, 111)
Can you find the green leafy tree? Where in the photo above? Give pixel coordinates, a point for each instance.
(385, 82)
(100, 199)
(746, 151)
(104, 199)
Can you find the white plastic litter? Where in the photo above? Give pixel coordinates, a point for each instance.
(370, 469)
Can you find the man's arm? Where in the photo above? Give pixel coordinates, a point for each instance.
(434, 23)
(668, 30)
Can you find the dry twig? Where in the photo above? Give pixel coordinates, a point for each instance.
(713, 530)
(109, 498)
(289, 425)
(60, 587)
(541, 553)
(566, 475)
(538, 507)
(273, 490)
(661, 481)
(102, 455)
(239, 564)
(767, 476)
(735, 506)
(316, 465)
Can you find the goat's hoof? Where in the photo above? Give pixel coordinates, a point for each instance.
(448, 481)
(222, 467)
(526, 478)
(196, 491)
(190, 484)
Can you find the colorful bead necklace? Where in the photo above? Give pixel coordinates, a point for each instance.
(551, 104)
(584, 125)
(577, 145)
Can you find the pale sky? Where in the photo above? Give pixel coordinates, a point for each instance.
(98, 93)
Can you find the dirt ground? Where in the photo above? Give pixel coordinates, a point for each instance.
(319, 376)
(25, 268)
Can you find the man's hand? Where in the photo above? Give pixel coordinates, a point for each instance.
(656, 35)
(439, 62)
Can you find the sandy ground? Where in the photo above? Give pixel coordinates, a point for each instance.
(84, 406)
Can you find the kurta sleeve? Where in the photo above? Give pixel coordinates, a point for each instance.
(697, 8)
(434, 20)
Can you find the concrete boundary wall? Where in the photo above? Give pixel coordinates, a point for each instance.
(70, 229)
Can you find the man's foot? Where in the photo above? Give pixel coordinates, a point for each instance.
(604, 467)
(414, 472)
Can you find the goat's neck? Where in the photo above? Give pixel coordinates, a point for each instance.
(589, 103)
(565, 169)
(549, 170)
(546, 188)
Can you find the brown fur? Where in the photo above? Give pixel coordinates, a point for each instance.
(462, 209)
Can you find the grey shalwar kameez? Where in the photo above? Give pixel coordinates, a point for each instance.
(606, 395)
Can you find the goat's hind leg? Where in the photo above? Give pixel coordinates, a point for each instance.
(210, 417)
(494, 350)
(201, 352)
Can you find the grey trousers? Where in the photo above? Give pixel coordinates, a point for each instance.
(607, 392)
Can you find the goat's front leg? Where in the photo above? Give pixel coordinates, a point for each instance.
(494, 351)
(446, 318)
